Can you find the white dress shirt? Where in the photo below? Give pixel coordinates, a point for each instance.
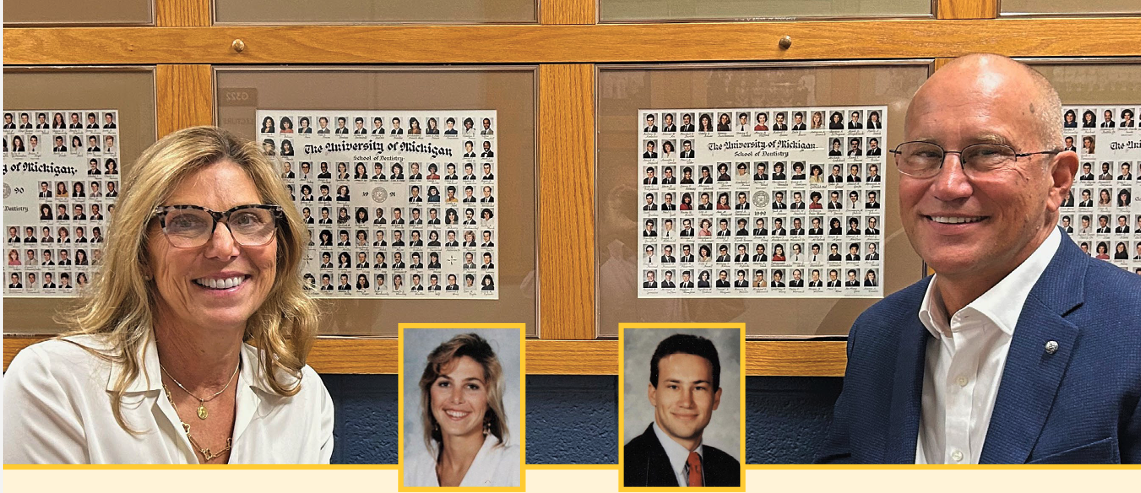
(493, 466)
(965, 360)
(57, 410)
(678, 456)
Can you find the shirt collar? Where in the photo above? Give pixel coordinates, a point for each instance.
(677, 454)
(1001, 304)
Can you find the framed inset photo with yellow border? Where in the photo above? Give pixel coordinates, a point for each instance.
(681, 420)
(462, 401)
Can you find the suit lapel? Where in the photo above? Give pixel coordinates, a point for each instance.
(1031, 378)
(907, 394)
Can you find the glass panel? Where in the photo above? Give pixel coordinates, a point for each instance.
(1112, 183)
(356, 12)
(623, 91)
(128, 90)
(80, 12)
(1083, 7)
(509, 91)
(739, 10)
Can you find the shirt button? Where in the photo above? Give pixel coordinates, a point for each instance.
(957, 456)
(962, 381)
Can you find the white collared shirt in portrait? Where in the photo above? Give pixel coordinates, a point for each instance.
(493, 466)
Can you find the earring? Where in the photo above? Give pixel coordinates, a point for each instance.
(486, 427)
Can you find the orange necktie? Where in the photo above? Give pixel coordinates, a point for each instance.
(694, 463)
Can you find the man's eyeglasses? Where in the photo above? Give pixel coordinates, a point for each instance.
(191, 226)
(925, 159)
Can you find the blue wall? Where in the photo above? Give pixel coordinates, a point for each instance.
(574, 419)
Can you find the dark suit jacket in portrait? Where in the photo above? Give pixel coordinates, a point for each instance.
(1079, 405)
(645, 463)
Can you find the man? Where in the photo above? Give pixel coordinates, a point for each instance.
(650, 125)
(797, 280)
(873, 254)
(1122, 225)
(668, 177)
(798, 121)
(685, 280)
(650, 152)
(1087, 172)
(651, 177)
(1070, 144)
(853, 279)
(741, 282)
(487, 152)
(797, 201)
(687, 123)
(650, 283)
(341, 128)
(687, 148)
(668, 125)
(487, 127)
(685, 389)
(8, 125)
(1050, 335)
(854, 123)
(358, 126)
(815, 282)
(873, 201)
(778, 279)
(59, 145)
(1103, 224)
(874, 147)
(835, 177)
(668, 276)
(797, 227)
(686, 255)
(833, 279)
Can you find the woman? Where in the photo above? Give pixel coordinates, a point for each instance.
(488, 283)
(181, 326)
(723, 202)
(46, 212)
(1071, 119)
(874, 121)
(1103, 199)
(1088, 120)
(686, 201)
(837, 121)
(77, 190)
(870, 279)
(57, 121)
(816, 176)
(1124, 198)
(705, 254)
(81, 257)
(667, 149)
(433, 127)
(705, 225)
(267, 125)
(286, 125)
(362, 281)
(17, 144)
(723, 123)
(1102, 250)
(414, 126)
(1120, 254)
(61, 190)
(14, 257)
(342, 171)
(451, 217)
(464, 422)
(778, 253)
(286, 147)
(817, 120)
(706, 123)
(834, 227)
(703, 280)
(762, 122)
(487, 218)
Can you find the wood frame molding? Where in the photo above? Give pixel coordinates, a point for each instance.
(966, 9)
(184, 96)
(814, 40)
(566, 202)
(183, 13)
(341, 355)
(568, 11)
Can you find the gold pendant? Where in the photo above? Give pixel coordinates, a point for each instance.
(202, 414)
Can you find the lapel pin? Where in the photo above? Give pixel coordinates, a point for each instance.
(1051, 347)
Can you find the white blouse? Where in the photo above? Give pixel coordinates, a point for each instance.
(493, 466)
(57, 410)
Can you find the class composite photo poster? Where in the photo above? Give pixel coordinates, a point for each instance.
(1100, 214)
(761, 202)
(61, 180)
(399, 204)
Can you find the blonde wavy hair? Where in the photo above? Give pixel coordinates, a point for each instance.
(119, 305)
(440, 360)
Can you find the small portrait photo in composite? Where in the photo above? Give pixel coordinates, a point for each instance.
(461, 406)
(681, 405)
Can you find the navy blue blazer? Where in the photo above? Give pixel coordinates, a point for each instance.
(1080, 405)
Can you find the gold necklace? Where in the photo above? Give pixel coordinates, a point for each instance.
(202, 413)
(206, 453)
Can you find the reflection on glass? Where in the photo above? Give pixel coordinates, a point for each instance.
(622, 91)
(81, 12)
(357, 12)
(1083, 7)
(509, 91)
(633, 10)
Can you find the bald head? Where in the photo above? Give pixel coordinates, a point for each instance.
(999, 77)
